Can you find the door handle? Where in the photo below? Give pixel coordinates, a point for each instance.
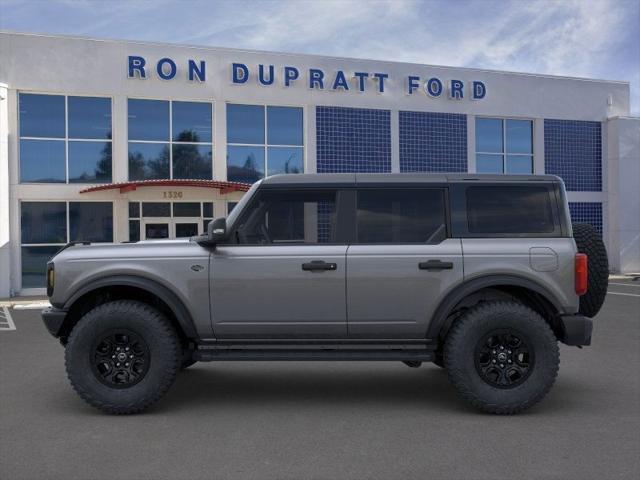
(319, 266)
(435, 265)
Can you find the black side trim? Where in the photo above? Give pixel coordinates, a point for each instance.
(167, 296)
(53, 319)
(439, 325)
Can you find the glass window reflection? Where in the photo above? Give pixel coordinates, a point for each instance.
(192, 161)
(284, 126)
(486, 163)
(148, 119)
(89, 117)
(148, 161)
(285, 160)
(43, 222)
(41, 115)
(89, 162)
(489, 135)
(42, 161)
(191, 122)
(519, 136)
(245, 164)
(34, 265)
(91, 221)
(245, 124)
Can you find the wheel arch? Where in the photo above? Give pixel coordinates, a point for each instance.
(527, 291)
(129, 287)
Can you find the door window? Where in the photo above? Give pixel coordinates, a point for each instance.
(289, 217)
(401, 216)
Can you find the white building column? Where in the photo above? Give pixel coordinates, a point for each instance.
(623, 181)
(5, 244)
(395, 141)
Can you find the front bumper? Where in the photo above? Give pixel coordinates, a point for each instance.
(576, 330)
(53, 319)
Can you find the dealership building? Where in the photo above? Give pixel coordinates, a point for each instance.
(114, 141)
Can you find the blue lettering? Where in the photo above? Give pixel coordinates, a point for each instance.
(381, 77)
(172, 68)
(136, 64)
(290, 74)
(433, 87)
(316, 77)
(340, 81)
(196, 72)
(455, 90)
(479, 90)
(362, 77)
(236, 75)
(412, 84)
(261, 79)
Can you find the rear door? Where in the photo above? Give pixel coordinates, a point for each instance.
(402, 262)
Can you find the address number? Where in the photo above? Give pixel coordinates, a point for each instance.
(172, 194)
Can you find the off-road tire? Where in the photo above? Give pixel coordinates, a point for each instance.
(469, 331)
(588, 241)
(149, 324)
(187, 358)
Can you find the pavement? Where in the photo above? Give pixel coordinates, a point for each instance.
(325, 420)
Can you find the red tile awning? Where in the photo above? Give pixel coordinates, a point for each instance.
(224, 187)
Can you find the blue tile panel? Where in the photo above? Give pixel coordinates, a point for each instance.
(433, 142)
(353, 140)
(587, 212)
(573, 151)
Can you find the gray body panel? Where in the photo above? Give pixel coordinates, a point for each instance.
(262, 292)
(388, 296)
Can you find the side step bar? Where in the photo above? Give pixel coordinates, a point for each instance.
(308, 354)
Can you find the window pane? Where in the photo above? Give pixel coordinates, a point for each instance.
(34, 265)
(42, 161)
(44, 222)
(184, 230)
(89, 162)
(289, 217)
(285, 160)
(503, 209)
(148, 120)
(192, 161)
(191, 121)
(134, 210)
(245, 124)
(488, 163)
(231, 206)
(134, 230)
(207, 209)
(156, 209)
(401, 216)
(205, 224)
(91, 221)
(41, 115)
(519, 136)
(284, 125)
(89, 117)
(489, 135)
(245, 164)
(519, 164)
(156, 230)
(190, 209)
(148, 161)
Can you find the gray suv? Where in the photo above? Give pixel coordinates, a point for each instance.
(481, 275)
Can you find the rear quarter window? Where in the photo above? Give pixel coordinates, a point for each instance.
(498, 209)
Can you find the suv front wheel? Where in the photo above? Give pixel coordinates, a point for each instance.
(502, 357)
(122, 356)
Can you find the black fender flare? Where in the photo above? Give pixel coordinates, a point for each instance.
(174, 303)
(439, 322)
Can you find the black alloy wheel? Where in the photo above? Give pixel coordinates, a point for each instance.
(504, 359)
(120, 359)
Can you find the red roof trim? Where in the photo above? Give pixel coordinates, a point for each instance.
(224, 187)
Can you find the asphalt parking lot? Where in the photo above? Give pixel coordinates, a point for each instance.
(326, 420)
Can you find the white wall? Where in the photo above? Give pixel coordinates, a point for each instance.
(5, 250)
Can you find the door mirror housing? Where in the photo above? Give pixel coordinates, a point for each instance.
(217, 230)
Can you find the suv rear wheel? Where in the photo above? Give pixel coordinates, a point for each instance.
(122, 356)
(502, 357)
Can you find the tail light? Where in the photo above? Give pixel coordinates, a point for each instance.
(582, 275)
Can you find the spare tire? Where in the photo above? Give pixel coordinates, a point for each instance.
(589, 242)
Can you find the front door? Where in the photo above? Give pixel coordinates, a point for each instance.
(402, 263)
(160, 228)
(284, 275)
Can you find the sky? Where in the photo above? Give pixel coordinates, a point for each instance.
(579, 38)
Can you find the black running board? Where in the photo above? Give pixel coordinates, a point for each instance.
(342, 354)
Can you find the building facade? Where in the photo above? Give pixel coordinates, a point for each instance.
(112, 141)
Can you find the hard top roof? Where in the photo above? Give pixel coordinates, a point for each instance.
(351, 179)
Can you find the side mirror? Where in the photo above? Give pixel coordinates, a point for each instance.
(217, 230)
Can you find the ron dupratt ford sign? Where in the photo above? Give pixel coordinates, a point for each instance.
(314, 78)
